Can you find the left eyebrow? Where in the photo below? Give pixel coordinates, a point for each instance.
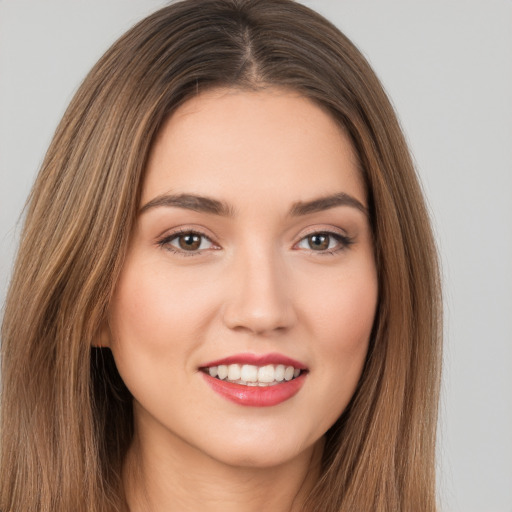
(325, 203)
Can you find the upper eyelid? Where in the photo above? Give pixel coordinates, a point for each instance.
(333, 230)
(329, 229)
(342, 238)
(170, 233)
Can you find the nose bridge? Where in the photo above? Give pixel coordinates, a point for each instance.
(260, 300)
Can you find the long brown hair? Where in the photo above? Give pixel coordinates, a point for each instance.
(66, 417)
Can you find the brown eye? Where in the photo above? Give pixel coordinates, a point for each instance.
(189, 241)
(319, 241)
(324, 242)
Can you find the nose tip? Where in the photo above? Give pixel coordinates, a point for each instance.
(260, 302)
(255, 320)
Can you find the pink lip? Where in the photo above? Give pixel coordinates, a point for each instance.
(255, 396)
(257, 360)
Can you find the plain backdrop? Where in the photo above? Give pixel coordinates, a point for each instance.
(447, 66)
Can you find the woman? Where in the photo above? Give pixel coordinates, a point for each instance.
(226, 294)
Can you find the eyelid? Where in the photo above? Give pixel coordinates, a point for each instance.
(329, 229)
(186, 228)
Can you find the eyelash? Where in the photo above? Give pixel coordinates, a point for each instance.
(343, 242)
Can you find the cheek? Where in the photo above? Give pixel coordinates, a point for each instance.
(154, 329)
(343, 310)
(136, 315)
(343, 348)
(152, 308)
(158, 320)
(341, 320)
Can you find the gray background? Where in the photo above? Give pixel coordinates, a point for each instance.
(447, 67)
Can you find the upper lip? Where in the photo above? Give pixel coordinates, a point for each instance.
(257, 360)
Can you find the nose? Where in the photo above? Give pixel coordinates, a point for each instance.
(259, 301)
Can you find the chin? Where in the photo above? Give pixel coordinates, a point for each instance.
(263, 454)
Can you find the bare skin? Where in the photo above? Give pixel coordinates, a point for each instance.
(168, 485)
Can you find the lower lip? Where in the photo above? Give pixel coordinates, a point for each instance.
(256, 396)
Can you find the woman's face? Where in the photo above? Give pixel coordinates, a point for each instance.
(252, 257)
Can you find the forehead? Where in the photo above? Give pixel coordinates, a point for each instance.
(240, 144)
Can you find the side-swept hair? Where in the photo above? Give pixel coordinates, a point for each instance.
(66, 416)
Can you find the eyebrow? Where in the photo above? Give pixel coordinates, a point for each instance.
(190, 202)
(205, 204)
(325, 203)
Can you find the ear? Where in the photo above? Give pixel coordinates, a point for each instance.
(103, 337)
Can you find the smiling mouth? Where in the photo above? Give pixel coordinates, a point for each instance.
(252, 375)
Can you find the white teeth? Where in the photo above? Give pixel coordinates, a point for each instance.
(279, 375)
(288, 373)
(251, 375)
(234, 372)
(266, 373)
(222, 371)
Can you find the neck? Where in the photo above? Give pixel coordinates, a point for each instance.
(174, 477)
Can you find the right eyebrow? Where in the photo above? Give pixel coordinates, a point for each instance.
(327, 202)
(193, 202)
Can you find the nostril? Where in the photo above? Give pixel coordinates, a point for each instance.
(258, 319)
